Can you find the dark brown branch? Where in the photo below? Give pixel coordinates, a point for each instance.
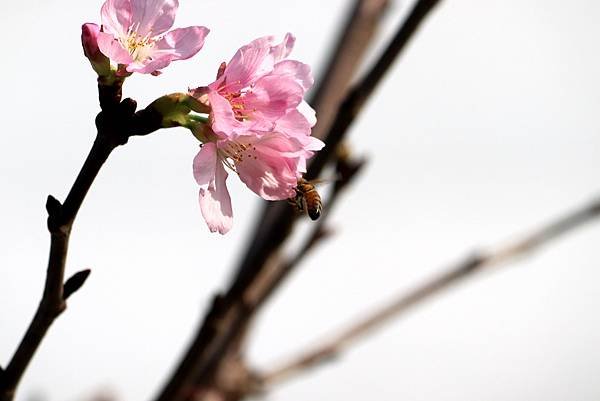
(201, 361)
(60, 221)
(116, 123)
(478, 261)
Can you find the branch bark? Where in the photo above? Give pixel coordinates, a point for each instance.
(476, 262)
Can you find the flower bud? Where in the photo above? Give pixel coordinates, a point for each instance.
(89, 40)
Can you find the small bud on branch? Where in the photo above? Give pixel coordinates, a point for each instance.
(75, 282)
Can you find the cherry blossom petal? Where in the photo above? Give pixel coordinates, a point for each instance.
(153, 17)
(248, 63)
(223, 120)
(282, 50)
(308, 113)
(269, 166)
(178, 44)
(204, 165)
(215, 203)
(313, 144)
(181, 43)
(116, 17)
(153, 67)
(112, 48)
(293, 123)
(272, 97)
(296, 70)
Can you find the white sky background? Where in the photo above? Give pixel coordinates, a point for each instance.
(487, 126)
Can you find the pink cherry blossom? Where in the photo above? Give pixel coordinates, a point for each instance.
(133, 35)
(260, 89)
(269, 163)
(259, 127)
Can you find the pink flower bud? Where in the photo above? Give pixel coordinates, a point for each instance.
(89, 41)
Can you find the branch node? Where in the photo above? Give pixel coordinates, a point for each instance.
(75, 282)
(128, 107)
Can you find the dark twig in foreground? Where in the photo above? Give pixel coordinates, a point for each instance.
(116, 123)
(466, 268)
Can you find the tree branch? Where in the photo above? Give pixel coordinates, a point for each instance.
(476, 262)
(358, 96)
(60, 221)
(353, 41)
(116, 123)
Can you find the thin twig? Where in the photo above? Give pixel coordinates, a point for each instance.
(466, 268)
(116, 123)
(60, 221)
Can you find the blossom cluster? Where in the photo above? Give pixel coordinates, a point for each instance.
(255, 122)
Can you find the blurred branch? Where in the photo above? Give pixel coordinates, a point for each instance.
(115, 123)
(272, 278)
(359, 28)
(227, 319)
(353, 41)
(465, 268)
(358, 96)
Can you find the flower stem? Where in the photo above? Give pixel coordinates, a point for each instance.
(198, 118)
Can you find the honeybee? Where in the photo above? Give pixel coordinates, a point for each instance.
(307, 199)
